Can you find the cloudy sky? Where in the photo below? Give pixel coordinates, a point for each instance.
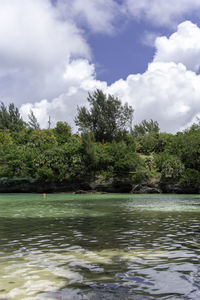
(146, 52)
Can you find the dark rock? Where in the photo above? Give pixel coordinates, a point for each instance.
(112, 185)
(145, 189)
(178, 189)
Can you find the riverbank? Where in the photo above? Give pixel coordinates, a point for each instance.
(95, 185)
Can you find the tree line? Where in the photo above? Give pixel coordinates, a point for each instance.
(106, 145)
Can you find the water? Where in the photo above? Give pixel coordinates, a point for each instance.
(99, 247)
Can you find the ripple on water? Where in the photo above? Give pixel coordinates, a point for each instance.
(106, 249)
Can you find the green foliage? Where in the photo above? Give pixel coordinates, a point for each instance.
(10, 118)
(187, 145)
(13, 162)
(170, 166)
(164, 142)
(22, 137)
(51, 164)
(107, 118)
(146, 127)
(191, 179)
(89, 150)
(140, 176)
(147, 143)
(117, 158)
(62, 132)
(42, 139)
(104, 148)
(5, 139)
(33, 122)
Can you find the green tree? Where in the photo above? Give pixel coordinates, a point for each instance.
(191, 179)
(186, 145)
(10, 118)
(5, 139)
(89, 151)
(33, 122)
(107, 118)
(170, 166)
(62, 132)
(42, 139)
(146, 127)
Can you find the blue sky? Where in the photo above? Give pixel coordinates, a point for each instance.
(145, 52)
(121, 54)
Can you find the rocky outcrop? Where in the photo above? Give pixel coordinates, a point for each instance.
(112, 185)
(38, 186)
(178, 189)
(145, 189)
(91, 185)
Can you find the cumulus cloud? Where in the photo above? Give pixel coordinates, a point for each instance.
(79, 79)
(43, 55)
(182, 46)
(98, 15)
(166, 92)
(169, 91)
(35, 48)
(162, 12)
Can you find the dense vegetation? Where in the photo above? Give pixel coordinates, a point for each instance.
(107, 146)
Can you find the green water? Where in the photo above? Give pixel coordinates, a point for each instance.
(99, 247)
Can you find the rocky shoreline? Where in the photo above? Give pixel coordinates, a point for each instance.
(88, 185)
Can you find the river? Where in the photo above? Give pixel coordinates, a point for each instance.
(94, 247)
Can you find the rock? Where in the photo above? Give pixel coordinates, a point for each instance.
(112, 185)
(145, 189)
(178, 189)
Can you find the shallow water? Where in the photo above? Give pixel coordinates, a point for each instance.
(99, 247)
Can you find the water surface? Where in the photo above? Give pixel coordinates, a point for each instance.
(99, 247)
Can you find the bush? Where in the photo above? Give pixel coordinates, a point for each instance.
(190, 179)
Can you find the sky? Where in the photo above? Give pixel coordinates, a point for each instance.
(145, 52)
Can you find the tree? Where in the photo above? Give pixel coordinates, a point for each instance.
(33, 122)
(42, 139)
(62, 132)
(146, 127)
(170, 166)
(107, 118)
(5, 139)
(89, 151)
(10, 118)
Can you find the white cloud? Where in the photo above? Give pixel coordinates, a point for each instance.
(35, 48)
(182, 46)
(43, 56)
(166, 92)
(79, 79)
(162, 12)
(98, 15)
(149, 38)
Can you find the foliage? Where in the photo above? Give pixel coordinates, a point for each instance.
(10, 118)
(42, 139)
(33, 122)
(191, 179)
(169, 165)
(89, 157)
(146, 127)
(140, 176)
(107, 118)
(172, 168)
(106, 147)
(62, 132)
(5, 139)
(147, 143)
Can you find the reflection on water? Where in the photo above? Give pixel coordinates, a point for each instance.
(99, 247)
